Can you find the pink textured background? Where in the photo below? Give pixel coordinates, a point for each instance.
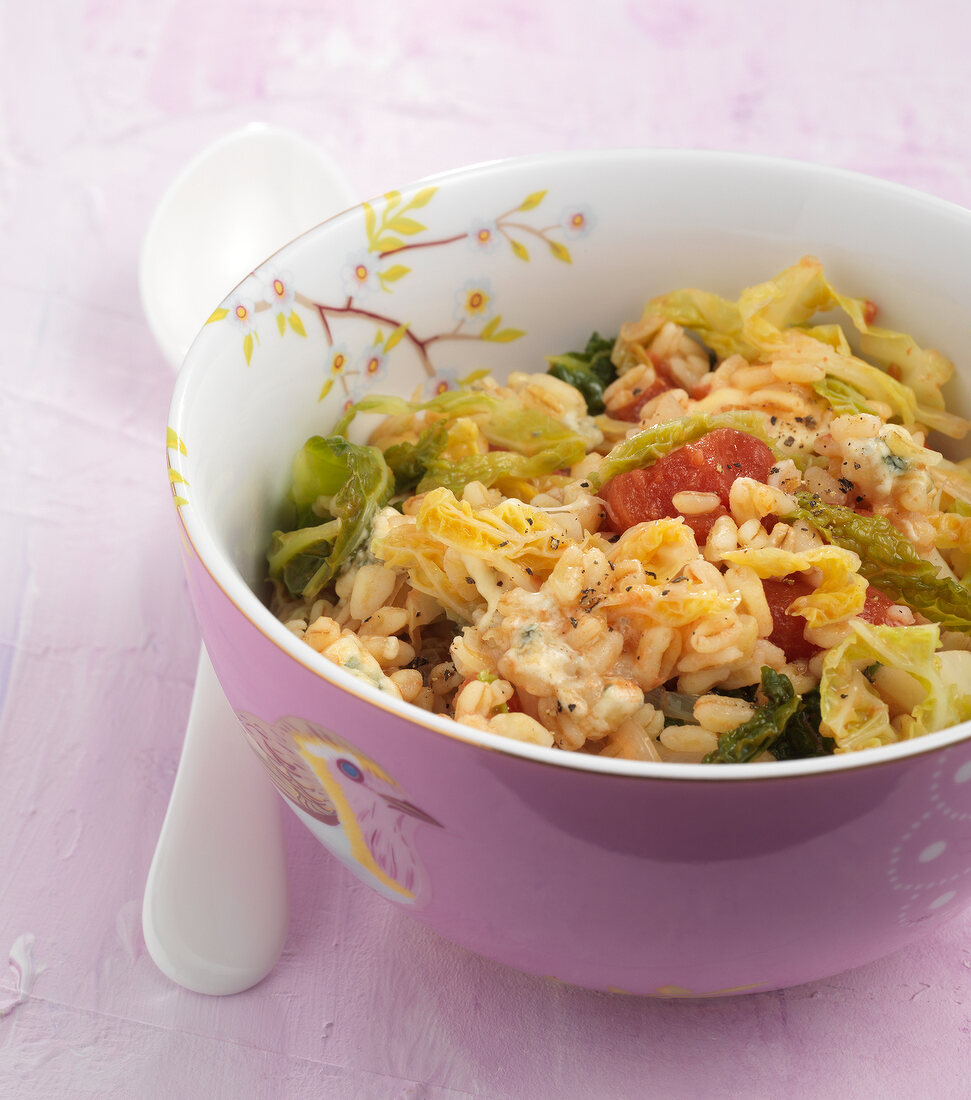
(100, 104)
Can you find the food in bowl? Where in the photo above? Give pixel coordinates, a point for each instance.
(512, 850)
(720, 537)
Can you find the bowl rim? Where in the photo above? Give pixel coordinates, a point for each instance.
(248, 604)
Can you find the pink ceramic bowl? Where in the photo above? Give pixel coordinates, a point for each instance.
(662, 879)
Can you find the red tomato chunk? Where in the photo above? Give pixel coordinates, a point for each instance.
(709, 465)
(662, 381)
(787, 630)
(632, 412)
(876, 607)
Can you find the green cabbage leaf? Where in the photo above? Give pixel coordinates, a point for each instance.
(590, 371)
(889, 561)
(409, 462)
(715, 320)
(342, 484)
(504, 421)
(843, 398)
(787, 725)
(647, 446)
(491, 467)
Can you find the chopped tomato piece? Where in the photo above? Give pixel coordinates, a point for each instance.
(788, 630)
(710, 465)
(632, 411)
(662, 381)
(876, 607)
(869, 311)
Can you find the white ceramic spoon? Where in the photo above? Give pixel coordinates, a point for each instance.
(215, 910)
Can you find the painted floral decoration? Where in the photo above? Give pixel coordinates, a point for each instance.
(393, 229)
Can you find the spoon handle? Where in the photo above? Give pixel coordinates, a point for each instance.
(215, 909)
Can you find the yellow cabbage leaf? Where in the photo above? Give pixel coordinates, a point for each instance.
(672, 605)
(662, 546)
(771, 320)
(716, 320)
(840, 593)
(511, 532)
(888, 683)
(464, 439)
(952, 531)
(431, 567)
(455, 552)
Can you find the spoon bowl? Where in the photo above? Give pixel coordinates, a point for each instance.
(234, 204)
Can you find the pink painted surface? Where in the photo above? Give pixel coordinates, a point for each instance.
(100, 105)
